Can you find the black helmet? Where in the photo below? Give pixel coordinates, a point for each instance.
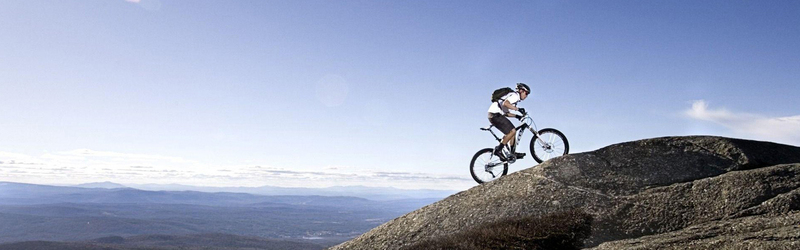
(523, 86)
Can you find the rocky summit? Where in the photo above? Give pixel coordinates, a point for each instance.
(693, 192)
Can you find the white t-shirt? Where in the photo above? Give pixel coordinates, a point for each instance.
(496, 108)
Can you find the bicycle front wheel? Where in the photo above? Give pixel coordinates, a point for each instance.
(551, 143)
(486, 167)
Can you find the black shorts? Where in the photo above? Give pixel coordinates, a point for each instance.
(501, 122)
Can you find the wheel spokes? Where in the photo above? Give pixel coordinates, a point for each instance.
(487, 168)
(552, 146)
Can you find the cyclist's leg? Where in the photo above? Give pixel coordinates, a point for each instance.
(505, 126)
(513, 141)
(509, 137)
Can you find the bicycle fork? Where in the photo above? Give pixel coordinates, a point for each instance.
(545, 145)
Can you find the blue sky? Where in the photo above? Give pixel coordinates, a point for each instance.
(378, 93)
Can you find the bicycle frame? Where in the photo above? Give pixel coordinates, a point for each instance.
(553, 144)
(520, 130)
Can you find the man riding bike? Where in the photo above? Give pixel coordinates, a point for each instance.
(498, 112)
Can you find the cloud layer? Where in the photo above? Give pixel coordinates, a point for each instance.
(86, 165)
(778, 129)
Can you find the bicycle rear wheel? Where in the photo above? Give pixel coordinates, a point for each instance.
(486, 167)
(553, 144)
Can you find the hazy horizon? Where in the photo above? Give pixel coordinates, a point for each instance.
(150, 186)
(371, 93)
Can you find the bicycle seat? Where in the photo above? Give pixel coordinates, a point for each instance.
(487, 128)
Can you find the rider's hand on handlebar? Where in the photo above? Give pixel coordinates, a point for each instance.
(519, 117)
(522, 110)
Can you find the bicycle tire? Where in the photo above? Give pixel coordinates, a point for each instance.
(542, 153)
(481, 173)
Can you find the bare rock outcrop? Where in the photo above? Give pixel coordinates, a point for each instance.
(675, 192)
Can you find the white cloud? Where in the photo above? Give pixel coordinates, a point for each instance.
(753, 126)
(86, 165)
(133, 1)
(15, 156)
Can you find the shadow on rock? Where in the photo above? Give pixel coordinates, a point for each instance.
(564, 230)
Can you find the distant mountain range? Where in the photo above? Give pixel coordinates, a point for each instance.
(89, 211)
(107, 184)
(167, 242)
(371, 193)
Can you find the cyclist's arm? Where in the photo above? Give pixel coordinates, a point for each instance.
(510, 106)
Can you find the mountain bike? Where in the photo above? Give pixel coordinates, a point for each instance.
(546, 144)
